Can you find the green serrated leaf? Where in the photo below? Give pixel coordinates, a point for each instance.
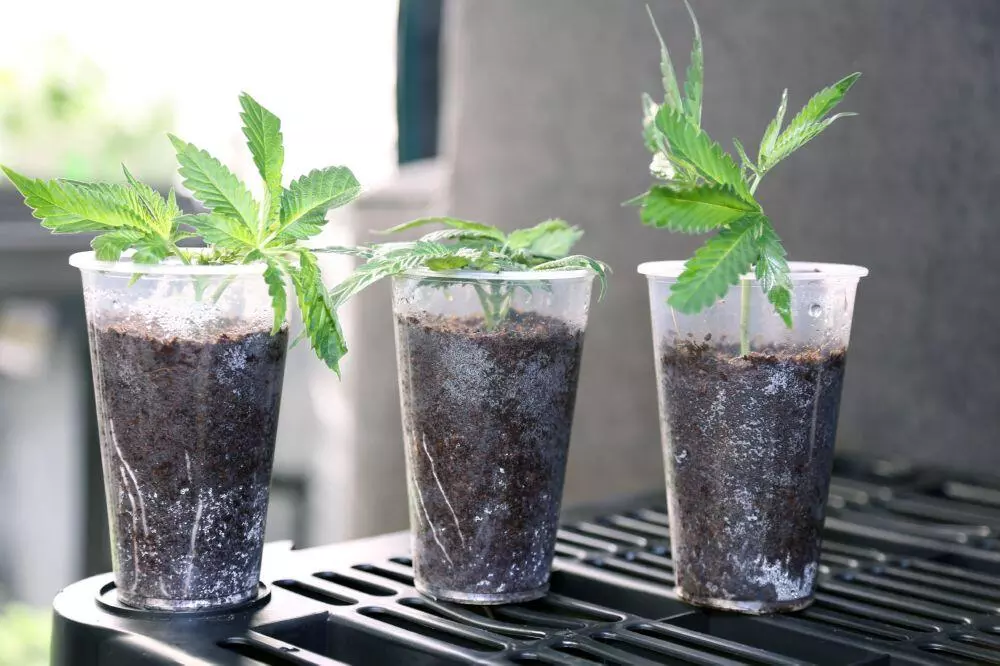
(220, 230)
(71, 207)
(306, 201)
(695, 147)
(109, 246)
(549, 239)
(745, 161)
(773, 130)
(808, 122)
(452, 263)
(215, 185)
(772, 271)
(694, 80)
(696, 210)
(319, 312)
(672, 93)
(461, 236)
(151, 250)
(452, 222)
(601, 269)
(274, 277)
(263, 132)
(716, 265)
(157, 210)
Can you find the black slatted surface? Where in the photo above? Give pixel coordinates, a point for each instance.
(910, 575)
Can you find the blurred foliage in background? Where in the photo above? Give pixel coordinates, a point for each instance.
(60, 121)
(24, 635)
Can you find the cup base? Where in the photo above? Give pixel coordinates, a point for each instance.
(745, 607)
(185, 605)
(478, 599)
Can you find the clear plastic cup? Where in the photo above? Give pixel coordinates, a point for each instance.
(188, 380)
(748, 439)
(488, 369)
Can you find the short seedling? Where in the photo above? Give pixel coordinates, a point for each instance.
(470, 246)
(237, 229)
(701, 189)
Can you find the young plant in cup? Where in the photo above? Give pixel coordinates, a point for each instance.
(489, 335)
(748, 401)
(188, 353)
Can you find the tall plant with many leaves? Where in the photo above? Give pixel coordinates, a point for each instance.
(236, 228)
(701, 188)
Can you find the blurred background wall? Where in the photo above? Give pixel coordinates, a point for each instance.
(507, 111)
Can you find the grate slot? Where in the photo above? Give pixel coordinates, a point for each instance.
(402, 561)
(883, 615)
(859, 626)
(564, 550)
(987, 642)
(944, 510)
(658, 561)
(641, 571)
(586, 541)
(952, 533)
(922, 608)
(853, 551)
(355, 584)
(315, 593)
(838, 561)
(920, 592)
(466, 616)
(943, 582)
(958, 654)
(725, 638)
(566, 607)
(641, 527)
(968, 492)
(617, 536)
(655, 516)
(952, 572)
(536, 658)
(405, 579)
(656, 651)
(433, 631)
(595, 654)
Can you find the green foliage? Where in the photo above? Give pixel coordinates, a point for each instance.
(470, 246)
(25, 634)
(237, 229)
(702, 189)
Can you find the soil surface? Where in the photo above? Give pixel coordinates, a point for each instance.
(187, 432)
(748, 452)
(486, 419)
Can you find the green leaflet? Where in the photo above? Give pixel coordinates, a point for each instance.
(772, 271)
(672, 93)
(773, 129)
(263, 132)
(551, 238)
(808, 123)
(275, 280)
(305, 203)
(452, 222)
(694, 85)
(109, 246)
(695, 147)
(215, 185)
(716, 265)
(220, 230)
(319, 313)
(694, 211)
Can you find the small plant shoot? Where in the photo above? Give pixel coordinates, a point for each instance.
(236, 228)
(701, 188)
(470, 246)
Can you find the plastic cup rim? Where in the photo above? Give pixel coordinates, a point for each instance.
(88, 261)
(800, 271)
(502, 276)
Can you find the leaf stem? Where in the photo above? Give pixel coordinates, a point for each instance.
(745, 286)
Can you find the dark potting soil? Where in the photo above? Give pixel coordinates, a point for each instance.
(188, 430)
(486, 418)
(749, 451)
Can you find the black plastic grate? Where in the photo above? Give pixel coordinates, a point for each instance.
(910, 574)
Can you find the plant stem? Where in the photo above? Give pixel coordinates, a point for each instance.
(745, 293)
(745, 316)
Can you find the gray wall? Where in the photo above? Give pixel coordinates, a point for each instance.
(543, 114)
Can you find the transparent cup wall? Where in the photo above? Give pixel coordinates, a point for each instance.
(488, 373)
(748, 441)
(188, 383)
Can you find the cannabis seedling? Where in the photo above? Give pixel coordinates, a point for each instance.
(702, 189)
(237, 229)
(470, 246)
